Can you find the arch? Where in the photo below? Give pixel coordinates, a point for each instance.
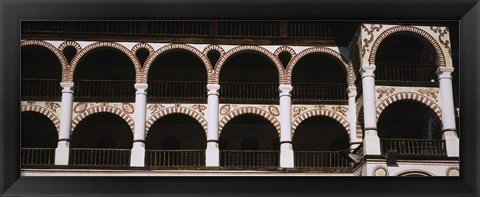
(414, 31)
(44, 111)
(284, 49)
(258, 49)
(113, 45)
(248, 110)
(409, 96)
(334, 54)
(142, 45)
(169, 47)
(414, 173)
(320, 112)
(180, 110)
(57, 52)
(215, 48)
(70, 43)
(99, 109)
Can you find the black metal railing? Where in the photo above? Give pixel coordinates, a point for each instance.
(319, 92)
(249, 91)
(249, 28)
(249, 158)
(117, 89)
(177, 89)
(414, 147)
(99, 157)
(175, 158)
(405, 72)
(322, 159)
(37, 156)
(40, 88)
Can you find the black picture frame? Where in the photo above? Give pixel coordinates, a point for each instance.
(466, 12)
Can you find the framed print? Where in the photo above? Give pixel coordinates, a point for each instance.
(236, 98)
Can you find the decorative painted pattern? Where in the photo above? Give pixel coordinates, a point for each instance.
(320, 112)
(442, 31)
(164, 49)
(415, 31)
(103, 108)
(273, 110)
(175, 110)
(430, 92)
(238, 49)
(369, 31)
(384, 91)
(249, 110)
(337, 56)
(416, 172)
(199, 108)
(31, 106)
(408, 96)
(114, 45)
(297, 110)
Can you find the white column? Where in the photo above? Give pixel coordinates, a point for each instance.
(212, 154)
(371, 142)
(352, 114)
(137, 157)
(63, 147)
(286, 150)
(448, 111)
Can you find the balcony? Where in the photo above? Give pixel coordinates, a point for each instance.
(248, 159)
(405, 74)
(323, 160)
(92, 157)
(174, 158)
(101, 90)
(40, 89)
(414, 148)
(304, 93)
(248, 92)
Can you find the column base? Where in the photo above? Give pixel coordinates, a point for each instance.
(371, 143)
(452, 143)
(286, 155)
(62, 153)
(137, 157)
(212, 155)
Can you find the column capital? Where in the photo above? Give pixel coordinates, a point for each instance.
(141, 88)
(368, 71)
(445, 72)
(285, 89)
(213, 89)
(67, 87)
(352, 91)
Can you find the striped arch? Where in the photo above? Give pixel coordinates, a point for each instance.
(320, 112)
(99, 109)
(414, 172)
(57, 52)
(248, 110)
(336, 55)
(81, 53)
(170, 47)
(409, 96)
(45, 112)
(68, 44)
(176, 110)
(414, 31)
(221, 61)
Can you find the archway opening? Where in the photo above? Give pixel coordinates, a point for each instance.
(410, 120)
(320, 133)
(37, 131)
(177, 74)
(405, 58)
(104, 73)
(319, 77)
(410, 128)
(101, 139)
(249, 77)
(41, 73)
(176, 140)
(249, 140)
(102, 130)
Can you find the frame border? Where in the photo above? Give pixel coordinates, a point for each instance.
(466, 12)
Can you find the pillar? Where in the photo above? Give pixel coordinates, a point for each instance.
(352, 114)
(286, 150)
(63, 148)
(448, 111)
(212, 154)
(371, 141)
(137, 157)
